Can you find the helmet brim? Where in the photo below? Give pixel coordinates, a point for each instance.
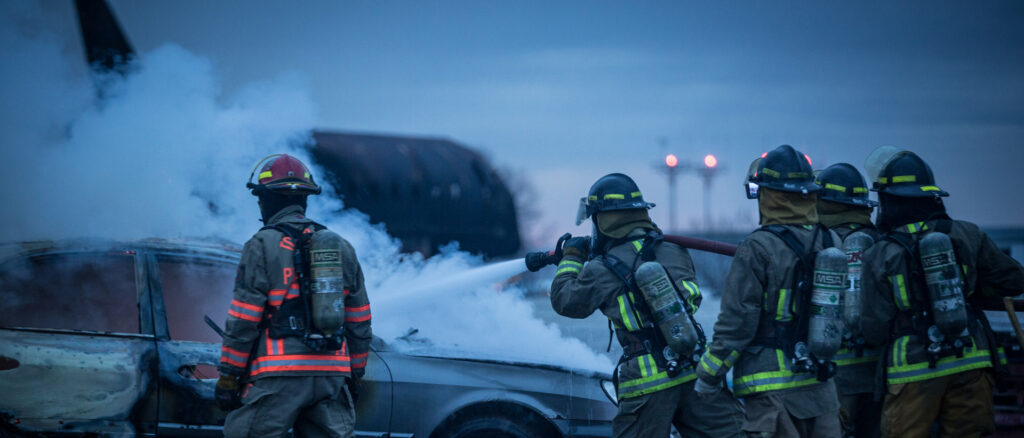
(913, 191)
(856, 202)
(791, 187)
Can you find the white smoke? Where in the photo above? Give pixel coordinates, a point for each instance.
(167, 153)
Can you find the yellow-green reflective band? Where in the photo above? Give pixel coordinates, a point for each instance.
(710, 363)
(771, 172)
(568, 262)
(912, 228)
(796, 175)
(635, 195)
(637, 245)
(567, 270)
(653, 383)
(592, 197)
(904, 178)
(642, 362)
(731, 358)
(860, 190)
(971, 360)
(626, 313)
(782, 359)
(307, 175)
(632, 302)
(614, 196)
(883, 180)
(930, 189)
(782, 307)
(900, 292)
(1002, 355)
(847, 357)
(266, 174)
(693, 292)
(835, 187)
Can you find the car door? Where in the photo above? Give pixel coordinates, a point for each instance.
(186, 286)
(77, 344)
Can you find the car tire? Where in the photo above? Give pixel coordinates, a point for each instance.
(492, 426)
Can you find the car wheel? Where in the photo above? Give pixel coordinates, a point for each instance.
(496, 427)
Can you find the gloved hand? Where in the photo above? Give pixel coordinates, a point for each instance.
(355, 383)
(578, 247)
(704, 389)
(226, 394)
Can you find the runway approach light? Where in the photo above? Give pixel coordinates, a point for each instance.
(710, 161)
(671, 160)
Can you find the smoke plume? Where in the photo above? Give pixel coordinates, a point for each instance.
(166, 153)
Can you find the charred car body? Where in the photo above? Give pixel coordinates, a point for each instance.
(108, 338)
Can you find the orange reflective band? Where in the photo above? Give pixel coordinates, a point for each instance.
(357, 318)
(268, 369)
(358, 309)
(247, 306)
(244, 316)
(233, 352)
(228, 360)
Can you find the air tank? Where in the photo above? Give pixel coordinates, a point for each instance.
(854, 247)
(667, 309)
(825, 326)
(327, 282)
(945, 284)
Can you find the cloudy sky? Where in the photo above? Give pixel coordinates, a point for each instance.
(564, 92)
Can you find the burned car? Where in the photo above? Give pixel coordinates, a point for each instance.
(108, 338)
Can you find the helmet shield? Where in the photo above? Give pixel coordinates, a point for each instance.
(878, 159)
(581, 211)
(749, 186)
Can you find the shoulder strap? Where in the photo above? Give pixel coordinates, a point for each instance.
(790, 239)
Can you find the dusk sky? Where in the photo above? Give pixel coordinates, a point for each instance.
(564, 92)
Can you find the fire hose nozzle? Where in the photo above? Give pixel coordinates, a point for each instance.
(536, 261)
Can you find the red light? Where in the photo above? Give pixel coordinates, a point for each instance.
(671, 160)
(764, 155)
(808, 157)
(710, 160)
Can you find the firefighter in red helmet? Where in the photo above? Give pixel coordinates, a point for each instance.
(289, 361)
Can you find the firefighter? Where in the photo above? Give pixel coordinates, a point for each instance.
(764, 305)
(653, 394)
(276, 372)
(844, 207)
(939, 350)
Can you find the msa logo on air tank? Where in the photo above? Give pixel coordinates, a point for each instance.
(326, 256)
(829, 278)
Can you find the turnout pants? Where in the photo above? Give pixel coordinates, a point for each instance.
(651, 415)
(961, 403)
(804, 412)
(862, 415)
(317, 406)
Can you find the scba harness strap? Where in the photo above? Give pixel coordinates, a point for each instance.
(794, 331)
(293, 317)
(649, 339)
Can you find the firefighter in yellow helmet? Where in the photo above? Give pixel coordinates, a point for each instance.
(654, 379)
(762, 332)
(298, 329)
(924, 285)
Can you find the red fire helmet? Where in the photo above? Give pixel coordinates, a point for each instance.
(283, 174)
